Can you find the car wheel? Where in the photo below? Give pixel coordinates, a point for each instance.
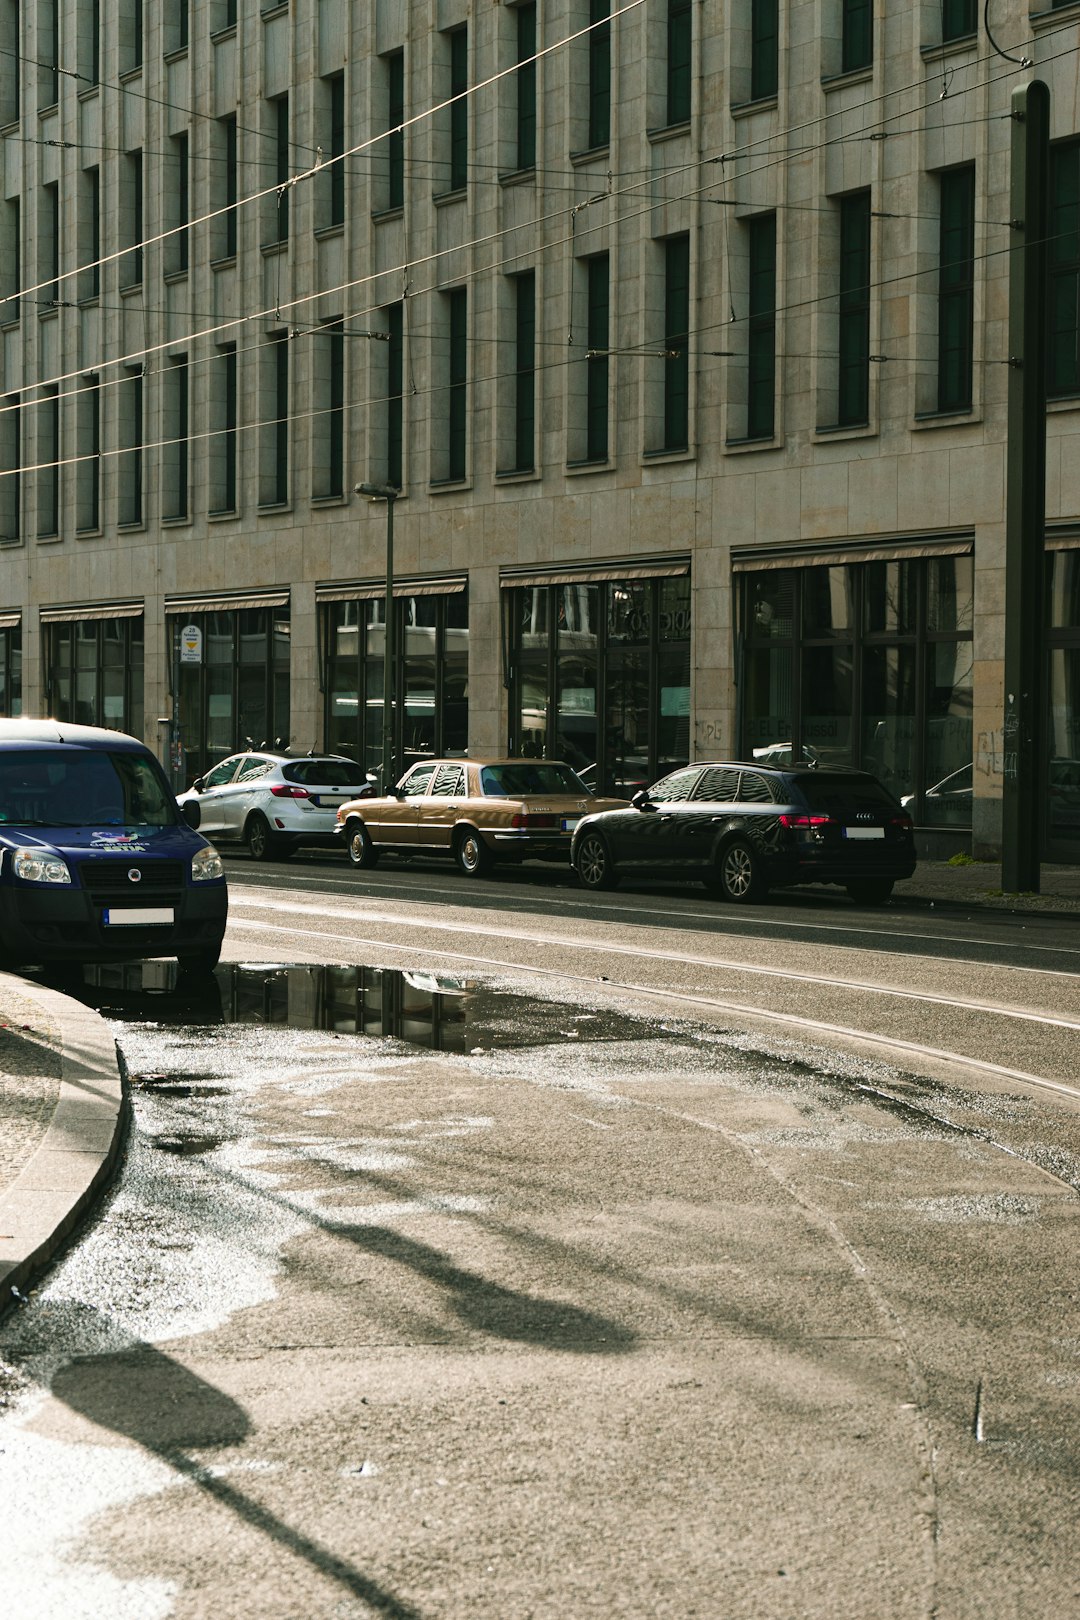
(739, 874)
(471, 853)
(259, 840)
(593, 863)
(199, 963)
(870, 891)
(362, 852)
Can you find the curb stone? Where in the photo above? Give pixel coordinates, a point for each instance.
(75, 1159)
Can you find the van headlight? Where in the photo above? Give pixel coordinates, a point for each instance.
(40, 866)
(206, 865)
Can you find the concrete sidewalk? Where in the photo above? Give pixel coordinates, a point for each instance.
(62, 1116)
(62, 1111)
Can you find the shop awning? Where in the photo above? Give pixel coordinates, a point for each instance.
(369, 591)
(596, 573)
(753, 560)
(227, 604)
(97, 610)
(10, 618)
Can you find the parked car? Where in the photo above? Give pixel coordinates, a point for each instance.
(745, 829)
(97, 863)
(274, 803)
(948, 802)
(475, 811)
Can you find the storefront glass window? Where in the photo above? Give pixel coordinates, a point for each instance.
(828, 601)
(947, 764)
(11, 670)
(1065, 589)
(95, 672)
(890, 598)
(828, 690)
(888, 716)
(1063, 819)
(950, 593)
(238, 697)
(432, 649)
(609, 663)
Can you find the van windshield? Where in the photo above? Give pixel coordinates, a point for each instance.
(85, 787)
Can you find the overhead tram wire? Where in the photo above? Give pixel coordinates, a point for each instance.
(197, 335)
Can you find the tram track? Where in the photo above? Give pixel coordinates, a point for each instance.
(385, 931)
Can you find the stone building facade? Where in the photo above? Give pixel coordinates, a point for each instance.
(681, 327)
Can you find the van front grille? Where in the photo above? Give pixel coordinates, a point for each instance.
(111, 877)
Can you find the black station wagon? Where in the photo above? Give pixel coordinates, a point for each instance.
(744, 829)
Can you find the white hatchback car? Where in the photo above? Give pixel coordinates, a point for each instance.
(273, 803)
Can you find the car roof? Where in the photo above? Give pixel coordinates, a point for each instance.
(17, 733)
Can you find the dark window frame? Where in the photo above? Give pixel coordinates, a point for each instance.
(853, 317)
(956, 288)
(761, 327)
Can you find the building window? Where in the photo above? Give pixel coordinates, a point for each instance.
(599, 675)
(48, 52)
(395, 392)
(10, 259)
(89, 42)
(328, 428)
(11, 670)
(395, 117)
(764, 49)
(853, 372)
(856, 34)
(959, 18)
(457, 384)
(130, 459)
(88, 451)
(176, 449)
(89, 226)
(131, 219)
(10, 470)
(598, 293)
(459, 109)
(956, 288)
(177, 206)
(679, 38)
(49, 247)
(130, 34)
(525, 371)
(48, 460)
(95, 672)
(176, 27)
(274, 421)
(282, 166)
(225, 183)
(223, 422)
(600, 73)
(240, 691)
(865, 665)
(10, 61)
(677, 342)
(337, 149)
(432, 642)
(526, 86)
(761, 334)
(1063, 301)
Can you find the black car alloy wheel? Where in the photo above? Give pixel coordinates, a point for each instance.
(594, 863)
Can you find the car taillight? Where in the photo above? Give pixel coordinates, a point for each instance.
(285, 790)
(904, 821)
(803, 823)
(528, 823)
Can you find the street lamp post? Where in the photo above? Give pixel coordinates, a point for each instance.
(388, 493)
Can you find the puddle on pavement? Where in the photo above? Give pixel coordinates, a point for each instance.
(434, 1011)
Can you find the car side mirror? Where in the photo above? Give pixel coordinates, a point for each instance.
(641, 800)
(191, 811)
(198, 784)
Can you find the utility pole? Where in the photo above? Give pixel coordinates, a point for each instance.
(388, 493)
(1025, 502)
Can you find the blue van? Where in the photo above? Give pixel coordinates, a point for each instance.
(97, 863)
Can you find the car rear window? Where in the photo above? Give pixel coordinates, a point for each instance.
(325, 773)
(842, 796)
(532, 776)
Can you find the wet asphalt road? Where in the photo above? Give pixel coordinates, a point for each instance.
(505, 1291)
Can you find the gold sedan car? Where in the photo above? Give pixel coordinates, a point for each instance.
(475, 811)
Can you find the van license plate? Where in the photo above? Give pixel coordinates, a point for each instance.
(138, 917)
(864, 832)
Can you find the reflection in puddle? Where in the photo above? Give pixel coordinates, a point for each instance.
(435, 1011)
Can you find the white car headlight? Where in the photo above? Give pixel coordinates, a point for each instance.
(206, 865)
(40, 866)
